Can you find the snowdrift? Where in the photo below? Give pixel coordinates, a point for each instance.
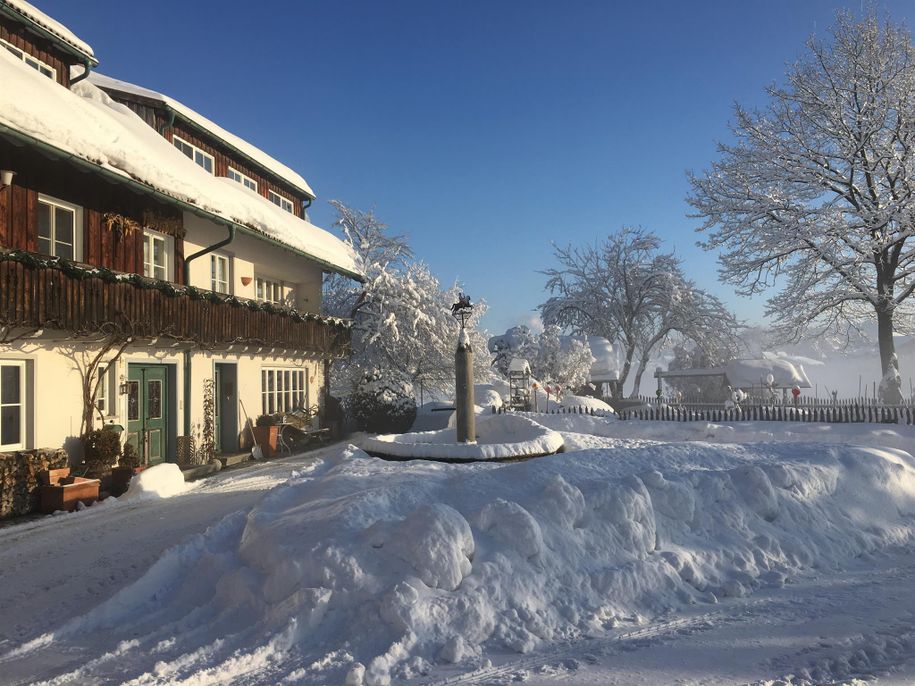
(371, 571)
(499, 437)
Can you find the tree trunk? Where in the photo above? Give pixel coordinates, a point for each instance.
(890, 392)
(637, 382)
(627, 366)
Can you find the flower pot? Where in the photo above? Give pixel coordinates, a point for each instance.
(267, 437)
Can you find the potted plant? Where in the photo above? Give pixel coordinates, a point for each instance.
(101, 449)
(266, 433)
(128, 467)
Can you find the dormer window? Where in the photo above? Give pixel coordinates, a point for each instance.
(33, 62)
(245, 181)
(200, 157)
(279, 200)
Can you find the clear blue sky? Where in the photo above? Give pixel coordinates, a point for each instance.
(483, 130)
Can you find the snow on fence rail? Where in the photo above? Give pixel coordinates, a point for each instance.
(558, 410)
(804, 401)
(835, 414)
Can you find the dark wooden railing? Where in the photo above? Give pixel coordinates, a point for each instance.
(42, 293)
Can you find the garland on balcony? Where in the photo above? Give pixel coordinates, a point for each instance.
(81, 271)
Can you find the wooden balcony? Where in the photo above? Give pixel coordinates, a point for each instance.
(39, 293)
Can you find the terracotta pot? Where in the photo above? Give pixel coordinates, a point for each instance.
(267, 439)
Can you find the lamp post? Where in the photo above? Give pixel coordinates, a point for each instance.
(463, 375)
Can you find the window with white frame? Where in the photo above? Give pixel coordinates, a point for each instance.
(12, 405)
(219, 273)
(244, 180)
(33, 62)
(279, 200)
(283, 390)
(201, 157)
(157, 248)
(106, 395)
(268, 291)
(59, 225)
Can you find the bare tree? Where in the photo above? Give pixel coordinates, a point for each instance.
(630, 292)
(816, 192)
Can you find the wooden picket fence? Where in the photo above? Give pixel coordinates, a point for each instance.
(833, 414)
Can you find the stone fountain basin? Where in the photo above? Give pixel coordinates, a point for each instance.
(503, 437)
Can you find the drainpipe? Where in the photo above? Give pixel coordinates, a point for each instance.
(187, 392)
(170, 122)
(87, 67)
(187, 353)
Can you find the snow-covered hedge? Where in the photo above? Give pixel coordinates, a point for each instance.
(383, 403)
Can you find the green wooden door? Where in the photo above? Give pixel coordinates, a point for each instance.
(147, 411)
(217, 401)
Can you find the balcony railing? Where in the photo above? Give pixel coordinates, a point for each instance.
(48, 293)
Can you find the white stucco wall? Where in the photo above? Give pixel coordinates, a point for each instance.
(249, 258)
(53, 385)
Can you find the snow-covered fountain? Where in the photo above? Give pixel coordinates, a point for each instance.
(503, 437)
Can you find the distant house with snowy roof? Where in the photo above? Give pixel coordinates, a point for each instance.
(131, 220)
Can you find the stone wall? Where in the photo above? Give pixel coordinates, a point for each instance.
(19, 478)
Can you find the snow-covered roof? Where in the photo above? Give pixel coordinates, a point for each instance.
(87, 124)
(750, 373)
(519, 365)
(55, 28)
(257, 155)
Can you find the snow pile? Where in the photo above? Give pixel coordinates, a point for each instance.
(87, 123)
(750, 373)
(366, 571)
(586, 402)
(161, 481)
(498, 437)
(486, 396)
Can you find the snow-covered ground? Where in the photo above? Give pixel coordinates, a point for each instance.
(650, 553)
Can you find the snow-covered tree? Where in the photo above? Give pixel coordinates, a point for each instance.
(402, 323)
(377, 251)
(816, 191)
(629, 291)
(518, 341)
(561, 359)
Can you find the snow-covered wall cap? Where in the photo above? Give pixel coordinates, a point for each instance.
(753, 373)
(86, 124)
(55, 28)
(255, 154)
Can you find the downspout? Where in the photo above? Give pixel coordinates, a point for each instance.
(187, 353)
(87, 67)
(170, 122)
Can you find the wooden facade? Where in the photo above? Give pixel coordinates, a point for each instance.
(153, 113)
(18, 35)
(42, 296)
(101, 246)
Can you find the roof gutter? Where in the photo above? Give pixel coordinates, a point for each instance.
(36, 28)
(123, 178)
(87, 67)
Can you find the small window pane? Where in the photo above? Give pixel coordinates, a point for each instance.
(44, 222)
(133, 400)
(154, 399)
(10, 424)
(10, 391)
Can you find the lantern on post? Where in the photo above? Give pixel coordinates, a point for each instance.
(463, 374)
